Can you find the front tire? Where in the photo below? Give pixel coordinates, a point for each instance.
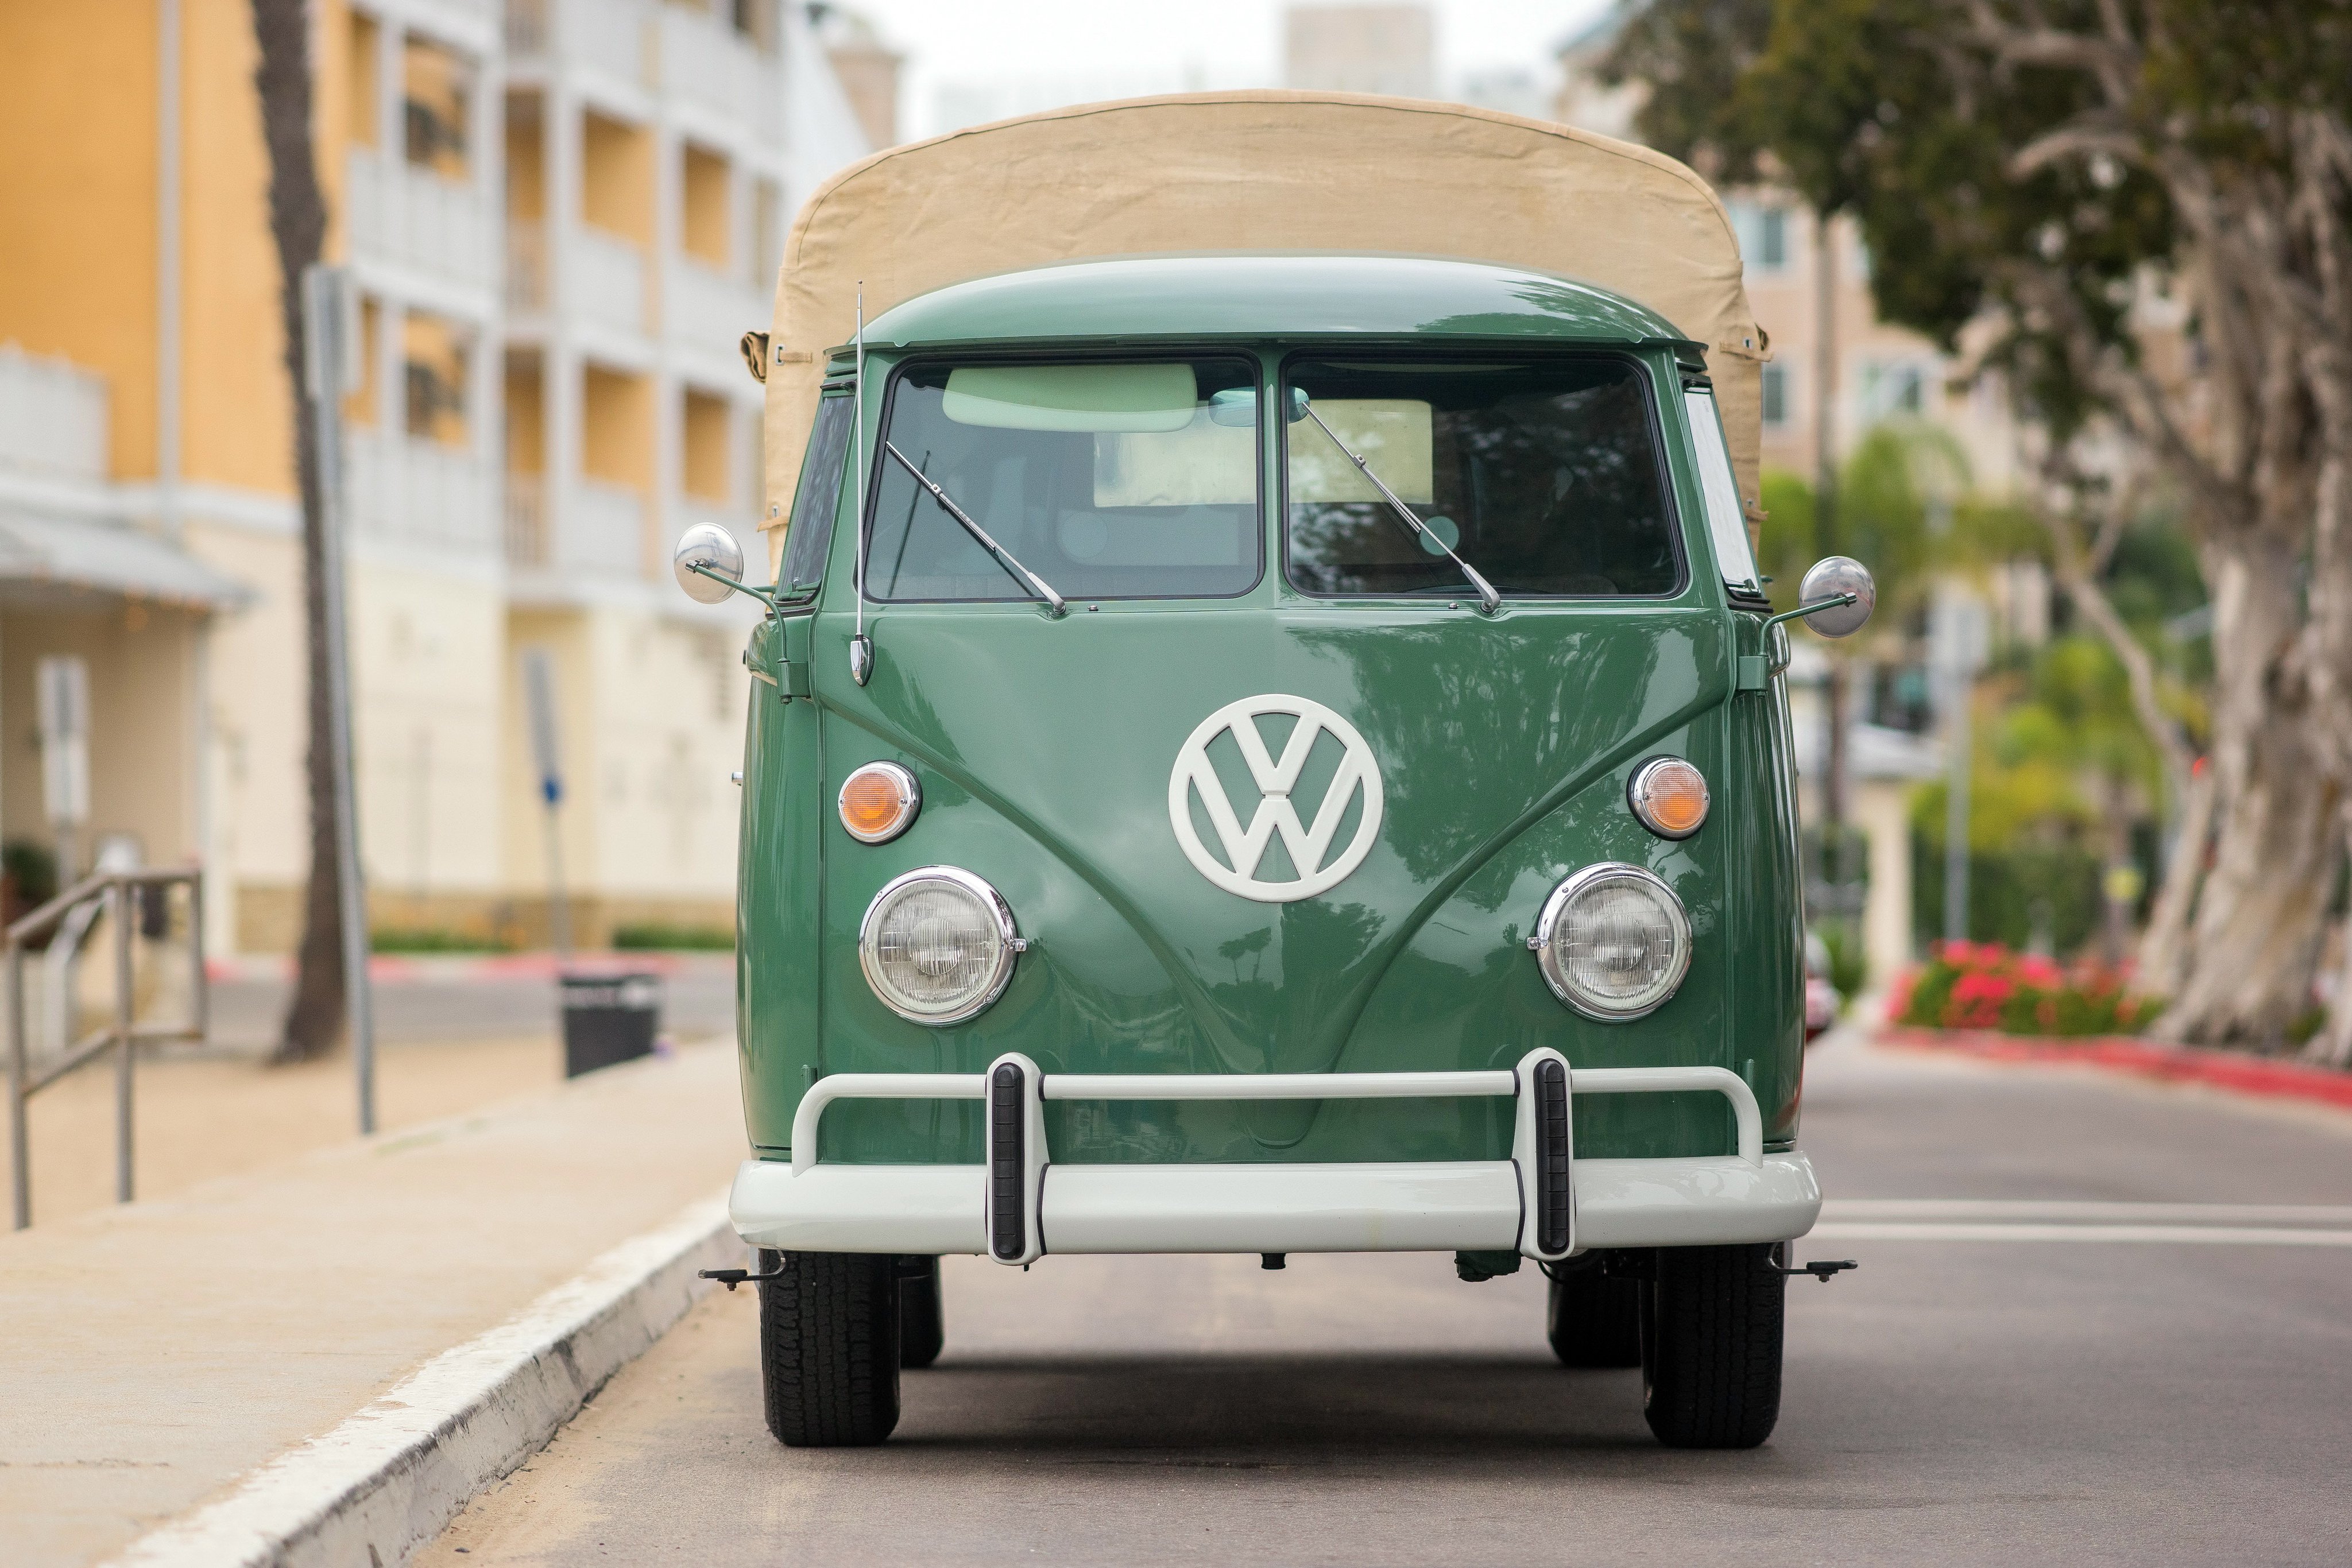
(829, 1347)
(1711, 1346)
(923, 1321)
(1594, 1319)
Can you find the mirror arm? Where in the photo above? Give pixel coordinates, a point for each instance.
(1803, 611)
(764, 595)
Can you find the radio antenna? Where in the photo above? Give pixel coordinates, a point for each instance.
(861, 648)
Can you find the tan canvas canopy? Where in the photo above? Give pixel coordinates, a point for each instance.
(1258, 171)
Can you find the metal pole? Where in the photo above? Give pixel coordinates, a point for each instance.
(124, 1043)
(20, 1162)
(1955, 804)
(200, 1009)
(547, 752)
(167, 267)
(323, 304)
(559, 908)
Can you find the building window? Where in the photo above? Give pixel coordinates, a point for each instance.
(1776, 397)
(1763, 235)
(707, 200)
(434, 367)
(436, 84)
(706, 439)
(1897, 389)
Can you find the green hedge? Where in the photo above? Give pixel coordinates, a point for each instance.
(2004, 889)
(657, 935)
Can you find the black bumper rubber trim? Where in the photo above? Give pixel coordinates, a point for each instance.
(1007, 1233)
(1552, 1177)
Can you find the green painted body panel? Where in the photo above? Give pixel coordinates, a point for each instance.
(1043, 750)
(1288, 298)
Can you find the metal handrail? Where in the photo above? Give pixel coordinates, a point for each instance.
(123, 1033)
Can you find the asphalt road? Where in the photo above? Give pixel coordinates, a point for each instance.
(2033, 1364)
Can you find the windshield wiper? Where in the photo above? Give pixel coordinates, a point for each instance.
(1005, 558)
(1488, 600)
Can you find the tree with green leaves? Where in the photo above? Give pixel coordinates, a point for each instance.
(2141, 211)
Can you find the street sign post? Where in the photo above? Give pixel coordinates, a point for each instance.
(63, 681)
(1957, 646)
(539, 694)
(329, 368)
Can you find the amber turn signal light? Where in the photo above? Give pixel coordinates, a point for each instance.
(879, 801)
(1669, 796)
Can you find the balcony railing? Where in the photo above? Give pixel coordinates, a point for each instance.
(526, 267)
(605, 279)
(709, 310)
(413, 216)
(52, 417)
(709, 63)
(526, 507)
(420, 492)
(604, 530)
(607, 35)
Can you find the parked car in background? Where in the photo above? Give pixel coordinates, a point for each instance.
(1821, 1000)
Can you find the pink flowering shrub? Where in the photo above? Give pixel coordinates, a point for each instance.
(1983, 985)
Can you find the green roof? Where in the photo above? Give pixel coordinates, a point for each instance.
(1268, 296)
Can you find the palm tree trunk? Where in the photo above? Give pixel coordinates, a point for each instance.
(298, 225)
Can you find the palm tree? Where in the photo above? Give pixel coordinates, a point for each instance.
(298, 225)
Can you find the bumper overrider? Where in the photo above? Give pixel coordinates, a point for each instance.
(1542, 1202)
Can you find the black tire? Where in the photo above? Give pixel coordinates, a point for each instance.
(829, 1348)
(1711, 1347)
(1594, 1319)
(922, 1323)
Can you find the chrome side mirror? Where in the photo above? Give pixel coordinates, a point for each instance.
(711, 548)
(1837, 595)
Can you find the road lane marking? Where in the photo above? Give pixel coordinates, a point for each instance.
(2009, 1210)
(1962, 1231)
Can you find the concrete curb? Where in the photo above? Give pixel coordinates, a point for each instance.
(386, 1480)
(2264, 1077)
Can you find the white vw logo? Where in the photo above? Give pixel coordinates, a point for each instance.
(1244, 847)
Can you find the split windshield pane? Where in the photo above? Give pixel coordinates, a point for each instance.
(1108, 480)
(1542, 475)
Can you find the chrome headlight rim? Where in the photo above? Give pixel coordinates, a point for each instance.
(1555, 906)
(1010, 945)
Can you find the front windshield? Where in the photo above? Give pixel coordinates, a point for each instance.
(1542, 475)
(1108, 480)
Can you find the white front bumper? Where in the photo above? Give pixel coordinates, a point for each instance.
(1469, 1206)
(1405, 1207)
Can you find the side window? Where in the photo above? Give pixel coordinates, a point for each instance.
(809, 535)
(1727, 524)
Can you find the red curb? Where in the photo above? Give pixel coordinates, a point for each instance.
(2265, 1077)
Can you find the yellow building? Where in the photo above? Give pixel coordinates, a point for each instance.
(558, 215)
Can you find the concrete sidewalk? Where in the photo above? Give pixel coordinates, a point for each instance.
(157, 1352)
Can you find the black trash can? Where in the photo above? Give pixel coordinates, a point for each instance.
(608, 1018)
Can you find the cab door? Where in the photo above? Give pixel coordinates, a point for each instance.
(781, 869)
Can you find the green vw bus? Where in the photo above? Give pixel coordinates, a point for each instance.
(1267, 752)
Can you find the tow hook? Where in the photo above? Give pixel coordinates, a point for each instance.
(1820, 1271)
(731, 1278)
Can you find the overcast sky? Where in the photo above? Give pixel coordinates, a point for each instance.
(1114, 47)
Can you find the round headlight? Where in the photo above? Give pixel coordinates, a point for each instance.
(1612, 942)
(937, 944)
(1669, 796)
(878, 803)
